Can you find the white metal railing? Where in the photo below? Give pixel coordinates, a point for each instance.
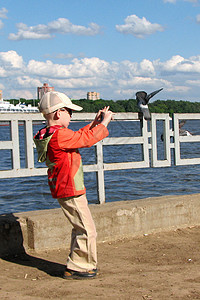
(147, 140)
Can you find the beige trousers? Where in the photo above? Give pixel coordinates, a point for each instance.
(83, 253)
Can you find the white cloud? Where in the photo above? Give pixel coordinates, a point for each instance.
(64, 26)
(86, 67)
(1, 24)
(174, 1)
(140, 28)
(178, 76)
(61, 26)
(3, 12)
(2, 72)
(193, 82)
(28, 82)
(64, 55)
(28, 33)
(11, 59)
(48, 69)
(143, 81)
(178, 89)
(198, 18)
(177, 64)
(170, 1)
(74, 83)
(26, 94)
(2, 86)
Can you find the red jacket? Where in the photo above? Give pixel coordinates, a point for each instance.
(60, 151)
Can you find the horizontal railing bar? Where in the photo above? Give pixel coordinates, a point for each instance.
(125, 165)
(75, 117)
(86, 168)
(6, 145)
(188, 116)
(90, 168)
(118, 116)
(23, 172)
(189, 139)
(188, 161)
(123, 140)
(161, 116)
(22, 116)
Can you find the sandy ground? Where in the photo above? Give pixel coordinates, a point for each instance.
(157, 266)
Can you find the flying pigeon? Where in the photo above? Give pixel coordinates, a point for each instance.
(142, 102)
(183, 132)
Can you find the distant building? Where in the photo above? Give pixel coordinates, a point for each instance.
(93, 96)
(1, 95)
(43, 90)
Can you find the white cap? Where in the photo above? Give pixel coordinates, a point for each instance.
(51, 101)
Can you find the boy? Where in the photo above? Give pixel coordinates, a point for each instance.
(58, 146)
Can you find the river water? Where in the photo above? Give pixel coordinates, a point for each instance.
(32, 193)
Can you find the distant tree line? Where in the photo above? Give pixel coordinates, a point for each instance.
(159, 106)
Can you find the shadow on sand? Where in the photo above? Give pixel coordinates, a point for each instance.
(12, 249)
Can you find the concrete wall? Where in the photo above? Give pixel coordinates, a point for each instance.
(49, 229)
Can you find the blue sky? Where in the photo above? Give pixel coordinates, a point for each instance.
(114, 47)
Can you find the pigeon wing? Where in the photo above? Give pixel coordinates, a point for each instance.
(153, 94)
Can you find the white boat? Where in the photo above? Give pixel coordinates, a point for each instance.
(7, 107)
(28, 108)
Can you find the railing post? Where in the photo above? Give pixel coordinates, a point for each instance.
(145, 134)
(15, 144)
(29, 144)
(178, 139)
(166, 136)
(100, 173)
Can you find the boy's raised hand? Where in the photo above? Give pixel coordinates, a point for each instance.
(106, 115)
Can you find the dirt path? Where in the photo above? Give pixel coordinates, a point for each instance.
(158, 266)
